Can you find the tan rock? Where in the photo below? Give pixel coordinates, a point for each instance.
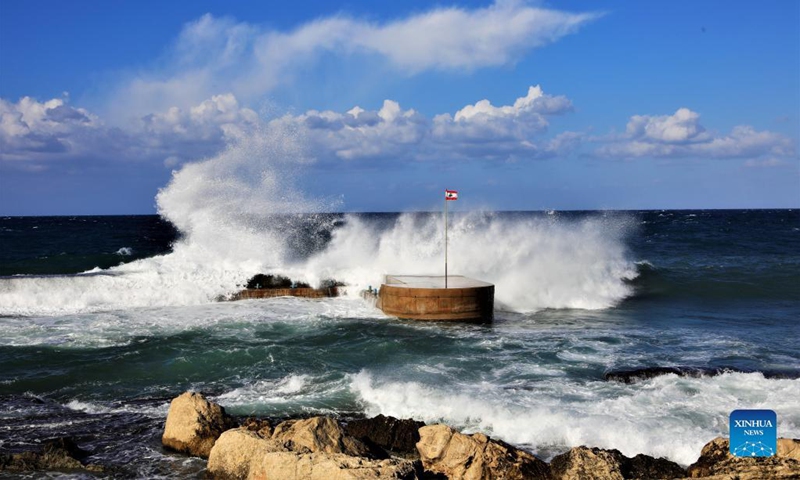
(194, 424)
(262, 427)
(322, 466)
(317, 434)
(234, 451)
(584, 462)
(716, 462)
(473, 457)
(789, 448)
(244, 454)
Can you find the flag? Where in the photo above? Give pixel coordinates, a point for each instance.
(451, 195)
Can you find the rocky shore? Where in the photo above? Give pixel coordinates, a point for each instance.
(386, 447)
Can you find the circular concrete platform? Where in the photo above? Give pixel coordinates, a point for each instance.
(426, 298)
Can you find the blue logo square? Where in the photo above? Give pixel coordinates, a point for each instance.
(754, 433)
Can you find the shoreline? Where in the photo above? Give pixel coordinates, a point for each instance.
(386, 446)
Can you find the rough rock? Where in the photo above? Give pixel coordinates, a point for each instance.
(318, 434)
(789, 448)
(389, 433)
(58, 454)
(244, 454)
(645, 466)
(194, 424)
(262, 427)
(716, 462)
(584, 462)
(471, 457)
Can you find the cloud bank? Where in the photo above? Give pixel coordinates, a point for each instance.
(34, 135)
(478, 132)
(53, 131)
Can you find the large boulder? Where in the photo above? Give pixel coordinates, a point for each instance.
(317, 434)
(716, 461)
(789, 448)
(585, 462)
(245, 454)
(194, 424)
(645, 466)
(389, 433)
(472, 457)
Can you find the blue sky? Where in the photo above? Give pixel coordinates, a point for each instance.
(658, 104)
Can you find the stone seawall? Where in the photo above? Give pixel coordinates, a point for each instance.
(252, 293)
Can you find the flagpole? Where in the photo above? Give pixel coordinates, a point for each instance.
(445, 239)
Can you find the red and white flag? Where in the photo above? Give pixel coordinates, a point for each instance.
(451, 195)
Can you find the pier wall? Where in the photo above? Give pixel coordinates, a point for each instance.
(251, 293)
(462, 304)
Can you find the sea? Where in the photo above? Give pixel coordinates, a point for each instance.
(105, 319)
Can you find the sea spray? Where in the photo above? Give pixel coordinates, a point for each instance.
(535, 263)
(234, 212)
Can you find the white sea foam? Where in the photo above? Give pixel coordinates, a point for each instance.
(268, 391)
(535, 263)
(291, 394)
(87, 407)
(151, 410)
(666, 416)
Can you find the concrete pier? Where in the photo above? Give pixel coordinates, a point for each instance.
(424, 297)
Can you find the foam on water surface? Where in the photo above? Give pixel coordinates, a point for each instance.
(666, 416)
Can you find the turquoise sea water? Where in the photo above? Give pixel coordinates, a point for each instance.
(104, 319)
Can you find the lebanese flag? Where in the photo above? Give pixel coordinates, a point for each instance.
(451, 195)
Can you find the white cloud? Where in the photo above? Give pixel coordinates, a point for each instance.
(682, 135)
(458, 38)
(30, 129)
(252, 60)
(478, 132)
(680, 128)
(38, 133)
(533, 104)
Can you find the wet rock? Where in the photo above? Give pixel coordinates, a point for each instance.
(716, 462)
(388, 433)
(645, 466)
(262, 427)
(585, 462)
(634, 375)
(458, 456)
(318, 434)
(243, 454)
(261, 281)
(58, 454)
(194, 424)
